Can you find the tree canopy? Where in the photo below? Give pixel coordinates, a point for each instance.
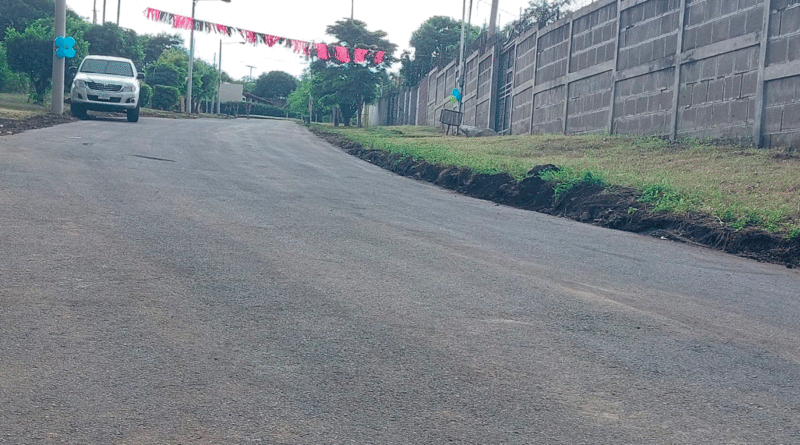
(154, 45)
(437, 39)
(18, 14)
(275, 84)
(111, 40)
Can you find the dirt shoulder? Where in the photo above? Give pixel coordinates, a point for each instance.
(618, 209)
(14, 126)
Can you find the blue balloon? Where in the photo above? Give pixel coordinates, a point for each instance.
(64, 47)
(457, 94)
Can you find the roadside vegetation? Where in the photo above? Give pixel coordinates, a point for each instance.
(740, 186)
(16, 106)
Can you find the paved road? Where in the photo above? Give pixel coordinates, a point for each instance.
(237, 282)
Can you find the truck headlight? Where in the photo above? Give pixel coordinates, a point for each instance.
(79, 84)
(128, 88)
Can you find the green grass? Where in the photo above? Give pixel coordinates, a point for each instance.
(566, 179)
(742, 186)
(16, 106)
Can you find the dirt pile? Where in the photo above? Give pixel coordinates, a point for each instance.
(14, 126)
(616, 209)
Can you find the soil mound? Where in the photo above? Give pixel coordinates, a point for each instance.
(616, 209)
(13, 126)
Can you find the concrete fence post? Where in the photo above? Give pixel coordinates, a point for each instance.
(566, 78)
(758, 115)
(676, 85)
(614, 71)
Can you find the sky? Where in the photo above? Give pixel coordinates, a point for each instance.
(295, 19)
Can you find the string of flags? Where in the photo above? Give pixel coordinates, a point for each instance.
(336, 54)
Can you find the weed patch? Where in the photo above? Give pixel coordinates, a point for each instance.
(566, 179)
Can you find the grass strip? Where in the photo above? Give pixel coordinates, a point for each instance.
(741, 186)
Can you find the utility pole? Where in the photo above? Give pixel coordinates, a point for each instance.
(60, 28)
(493, 17)
(251, 73)
(119, 5)
(190, 78)
(219, 81)
(104, 12)
(94, 13)
(352, 9)
(462, 68)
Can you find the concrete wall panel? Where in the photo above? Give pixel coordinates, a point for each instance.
(548, 111)
(642, 104)
(521, 114)
(589, 104)
(782, 113)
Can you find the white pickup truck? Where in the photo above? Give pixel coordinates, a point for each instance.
(105, 83)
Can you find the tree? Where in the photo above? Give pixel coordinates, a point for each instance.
(165, 74)
(20, 14)
(154, 45)
(10, 82)
(111, 40)
(274, 85)
(438, 38)
(350, 86)
(298, 100)
(31, 52)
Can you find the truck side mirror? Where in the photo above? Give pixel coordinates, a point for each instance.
(140, 76)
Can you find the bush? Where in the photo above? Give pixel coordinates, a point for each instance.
(164, 97)
(145, 95)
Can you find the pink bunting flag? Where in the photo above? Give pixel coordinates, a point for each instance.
(271, 40)
(379, 57)
(153, 14)
(322, 51)
(360, 55)
(182, 22)
(299, 46)
(342, 55)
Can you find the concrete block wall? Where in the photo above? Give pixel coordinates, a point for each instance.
(673, 68)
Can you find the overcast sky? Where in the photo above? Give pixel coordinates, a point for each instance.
(295, 19)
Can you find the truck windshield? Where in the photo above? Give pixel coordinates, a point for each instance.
(111, 67)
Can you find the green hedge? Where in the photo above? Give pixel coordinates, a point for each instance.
(145, 95)
(165, 98)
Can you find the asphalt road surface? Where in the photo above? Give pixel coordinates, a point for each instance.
(240, 281)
